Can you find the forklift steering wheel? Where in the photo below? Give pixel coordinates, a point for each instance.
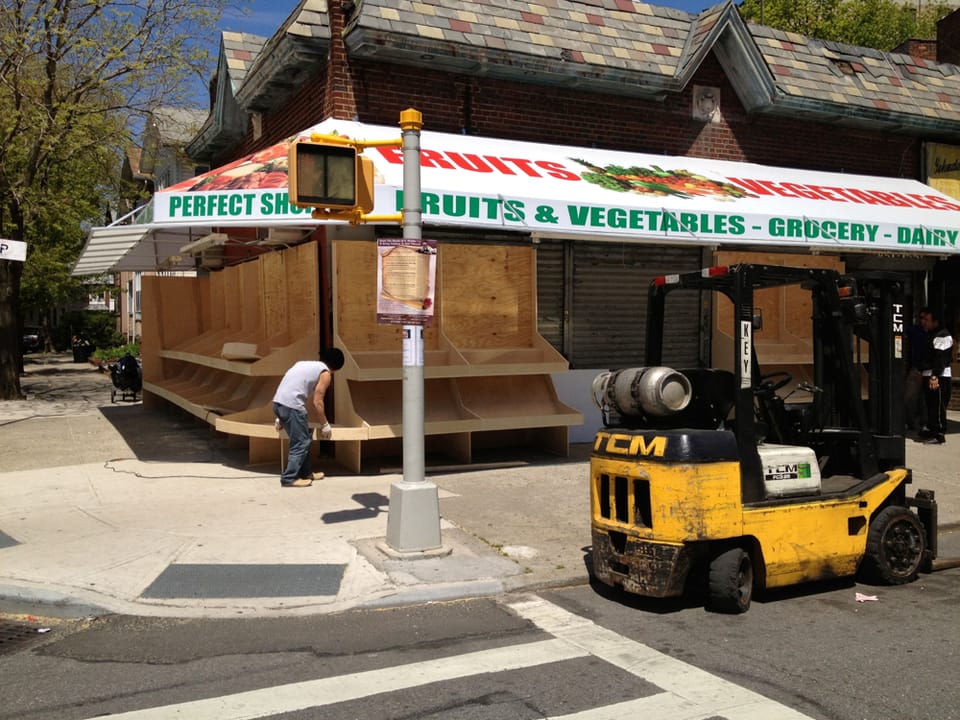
(771, 382)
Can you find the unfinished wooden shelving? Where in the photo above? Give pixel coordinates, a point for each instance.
(217, 347)
(486, 368)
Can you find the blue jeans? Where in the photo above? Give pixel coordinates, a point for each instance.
(297, 425)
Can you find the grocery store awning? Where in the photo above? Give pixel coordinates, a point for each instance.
(564, 191)
(135, 247)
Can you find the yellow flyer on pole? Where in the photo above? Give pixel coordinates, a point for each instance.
(406, 281)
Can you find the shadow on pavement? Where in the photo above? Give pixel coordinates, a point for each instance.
(371, 505)
(170, 435)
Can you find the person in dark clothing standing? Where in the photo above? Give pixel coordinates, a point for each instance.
(915, 411)
(936, 376)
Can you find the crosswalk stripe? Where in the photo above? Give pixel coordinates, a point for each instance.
(327, 691)
(709, 694)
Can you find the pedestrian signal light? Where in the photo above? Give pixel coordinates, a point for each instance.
(329, 174)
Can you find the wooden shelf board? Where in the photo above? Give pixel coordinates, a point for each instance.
(232, 366)
(204, 413)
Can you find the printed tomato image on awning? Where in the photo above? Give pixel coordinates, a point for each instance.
(566, 191)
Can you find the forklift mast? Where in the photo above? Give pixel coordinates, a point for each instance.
(857, 331)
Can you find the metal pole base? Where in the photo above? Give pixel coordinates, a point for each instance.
(413, 525)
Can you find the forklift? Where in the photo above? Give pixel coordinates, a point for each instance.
(732, 480)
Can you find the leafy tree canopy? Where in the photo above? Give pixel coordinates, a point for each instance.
(77, 80)
(880, 24)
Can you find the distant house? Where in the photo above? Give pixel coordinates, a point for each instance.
(160, 162)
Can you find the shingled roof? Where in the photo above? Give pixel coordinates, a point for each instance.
(633, 48)
(256, 73)
(604, 45)
(295, 49)
(860, 83)
(621, 47)
(227, 120)
(239, 52)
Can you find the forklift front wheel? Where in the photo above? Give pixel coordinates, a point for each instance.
(895, 546)
(731, 581)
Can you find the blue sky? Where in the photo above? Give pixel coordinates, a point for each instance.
(262, 17)
(265, 16)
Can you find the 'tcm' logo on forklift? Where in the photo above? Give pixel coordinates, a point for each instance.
(620, 444)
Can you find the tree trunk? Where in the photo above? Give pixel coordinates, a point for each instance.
(11, 336)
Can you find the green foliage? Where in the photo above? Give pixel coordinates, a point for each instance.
(77, 82)
(98, 328)
(113, 354)
(880, 24)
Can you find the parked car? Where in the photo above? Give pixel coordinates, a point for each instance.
(32, 342)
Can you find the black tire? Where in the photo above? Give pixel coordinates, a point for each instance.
(731, 581)
(896, 544)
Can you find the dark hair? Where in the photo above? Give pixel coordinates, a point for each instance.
(332, 358)
(927, 310)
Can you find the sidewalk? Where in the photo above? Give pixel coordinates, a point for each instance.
(108, 507)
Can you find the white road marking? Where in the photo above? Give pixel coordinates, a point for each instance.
(707, 694)
(327, 691)
(689, 693)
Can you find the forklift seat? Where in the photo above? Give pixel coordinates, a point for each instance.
(714, 396)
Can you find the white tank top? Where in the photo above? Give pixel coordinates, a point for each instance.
(299, 383)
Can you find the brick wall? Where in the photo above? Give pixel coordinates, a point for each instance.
(377, 93)
(926, 49)
(948, 38)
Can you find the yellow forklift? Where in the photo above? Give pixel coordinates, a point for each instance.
(737, 479)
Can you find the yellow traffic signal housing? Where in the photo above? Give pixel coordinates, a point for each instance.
(364, 184)
(330, 174)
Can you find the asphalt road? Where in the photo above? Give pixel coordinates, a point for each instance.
(817, 653)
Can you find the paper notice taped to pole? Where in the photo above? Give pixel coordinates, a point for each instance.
(406, 281)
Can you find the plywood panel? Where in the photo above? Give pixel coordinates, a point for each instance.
(174, 302)
(355, 290)
(218, 310)
(232, 298)
(489, 298)
(273, 272)
(786, 335)
(519, 395)
(151, 333)
(251, 298)
(301, 266)
(356, 299)
(381, 402)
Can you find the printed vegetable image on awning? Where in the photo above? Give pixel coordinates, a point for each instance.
(655, 180)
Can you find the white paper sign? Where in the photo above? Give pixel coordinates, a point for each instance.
(13, 250)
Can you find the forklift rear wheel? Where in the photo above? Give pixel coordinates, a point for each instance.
(731, 581)
(895, 546)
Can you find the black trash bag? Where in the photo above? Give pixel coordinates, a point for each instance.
(126, 374)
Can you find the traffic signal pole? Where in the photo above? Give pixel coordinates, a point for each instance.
(328, 174)
(413, 525)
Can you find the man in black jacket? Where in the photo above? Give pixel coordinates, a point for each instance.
(936, 375)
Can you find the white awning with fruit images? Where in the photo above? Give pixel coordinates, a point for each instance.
(557, 190)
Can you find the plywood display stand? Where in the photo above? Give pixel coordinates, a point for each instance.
(217, 347)
(486, 368)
